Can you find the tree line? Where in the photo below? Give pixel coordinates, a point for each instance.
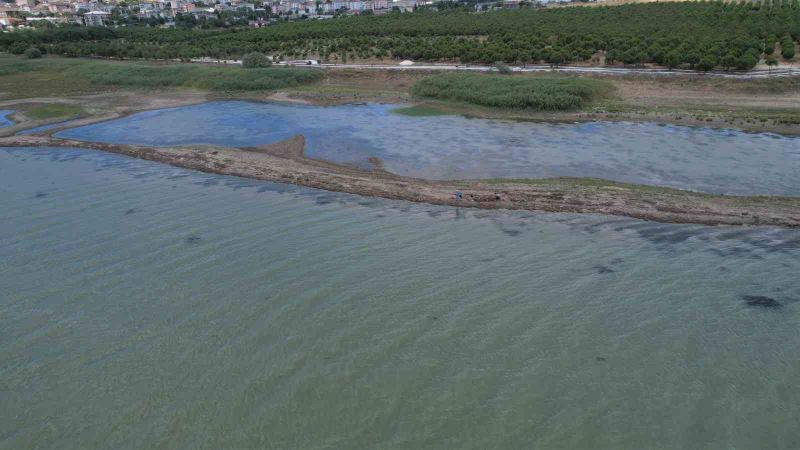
(701, 35)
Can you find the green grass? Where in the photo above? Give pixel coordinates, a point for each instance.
(540, 93)
(52, 111)
(21, 78)
(210, 78)
(420, 111)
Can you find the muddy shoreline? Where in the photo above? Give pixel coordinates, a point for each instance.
(706, 103)
(285, 162)
(685, 118)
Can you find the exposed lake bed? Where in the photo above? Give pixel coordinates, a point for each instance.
(367, 150)
(182, 308)
(344, 264)
(454, 147)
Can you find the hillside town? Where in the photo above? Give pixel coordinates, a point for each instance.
(206, 13)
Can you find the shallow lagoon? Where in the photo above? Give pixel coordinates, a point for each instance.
(45, 127)
(144, 305)
(453, 147)
(5, 121)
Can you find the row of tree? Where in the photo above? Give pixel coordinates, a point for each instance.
(702, 35)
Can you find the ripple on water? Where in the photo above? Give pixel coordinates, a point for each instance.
(294, 314)
(441, 147)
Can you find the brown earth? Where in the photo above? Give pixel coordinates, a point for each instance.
(99, 107)
(284, 162)
(764, 105)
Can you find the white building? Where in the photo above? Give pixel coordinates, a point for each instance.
(96, 18)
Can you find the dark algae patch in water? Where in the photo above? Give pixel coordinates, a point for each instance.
(285, 306)
(761, 301)
(603, 270)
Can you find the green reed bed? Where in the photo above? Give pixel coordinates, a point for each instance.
(213, 78)
(86, 72)
(541, 93)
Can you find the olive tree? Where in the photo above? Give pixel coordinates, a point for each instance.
(787, 48)
(771, 62)
(672, 59)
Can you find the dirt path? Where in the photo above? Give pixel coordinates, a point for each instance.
(284, 162)
(284, 97)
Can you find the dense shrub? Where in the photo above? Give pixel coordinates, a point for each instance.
(771, 61)
(254, 60)
(787, 48)
(672, 59)
(514, 92)
(502, 67)
(33, 53)
(706, 63)
(17, 48)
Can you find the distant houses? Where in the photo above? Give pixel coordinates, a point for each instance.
(255, 13)
(96, 18)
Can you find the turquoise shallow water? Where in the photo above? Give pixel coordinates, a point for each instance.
(148, 306)
(455, 147)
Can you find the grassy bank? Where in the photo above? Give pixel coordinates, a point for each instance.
(20, 78)
(420, 111)
(202, 77)
(52, 111)
(540, 93)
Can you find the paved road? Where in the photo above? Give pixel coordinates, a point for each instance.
(775, 73)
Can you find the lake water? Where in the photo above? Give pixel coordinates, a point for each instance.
(453, 147)
(45, 127)
(146, 306)
(4, 119)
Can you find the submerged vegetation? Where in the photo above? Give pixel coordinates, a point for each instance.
(541, 93)
(701, 35)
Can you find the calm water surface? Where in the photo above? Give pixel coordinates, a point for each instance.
(147, 306)
(453, 147)
(46, 127)
(4, 119)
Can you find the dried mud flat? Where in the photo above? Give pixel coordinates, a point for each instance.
(285, 162)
